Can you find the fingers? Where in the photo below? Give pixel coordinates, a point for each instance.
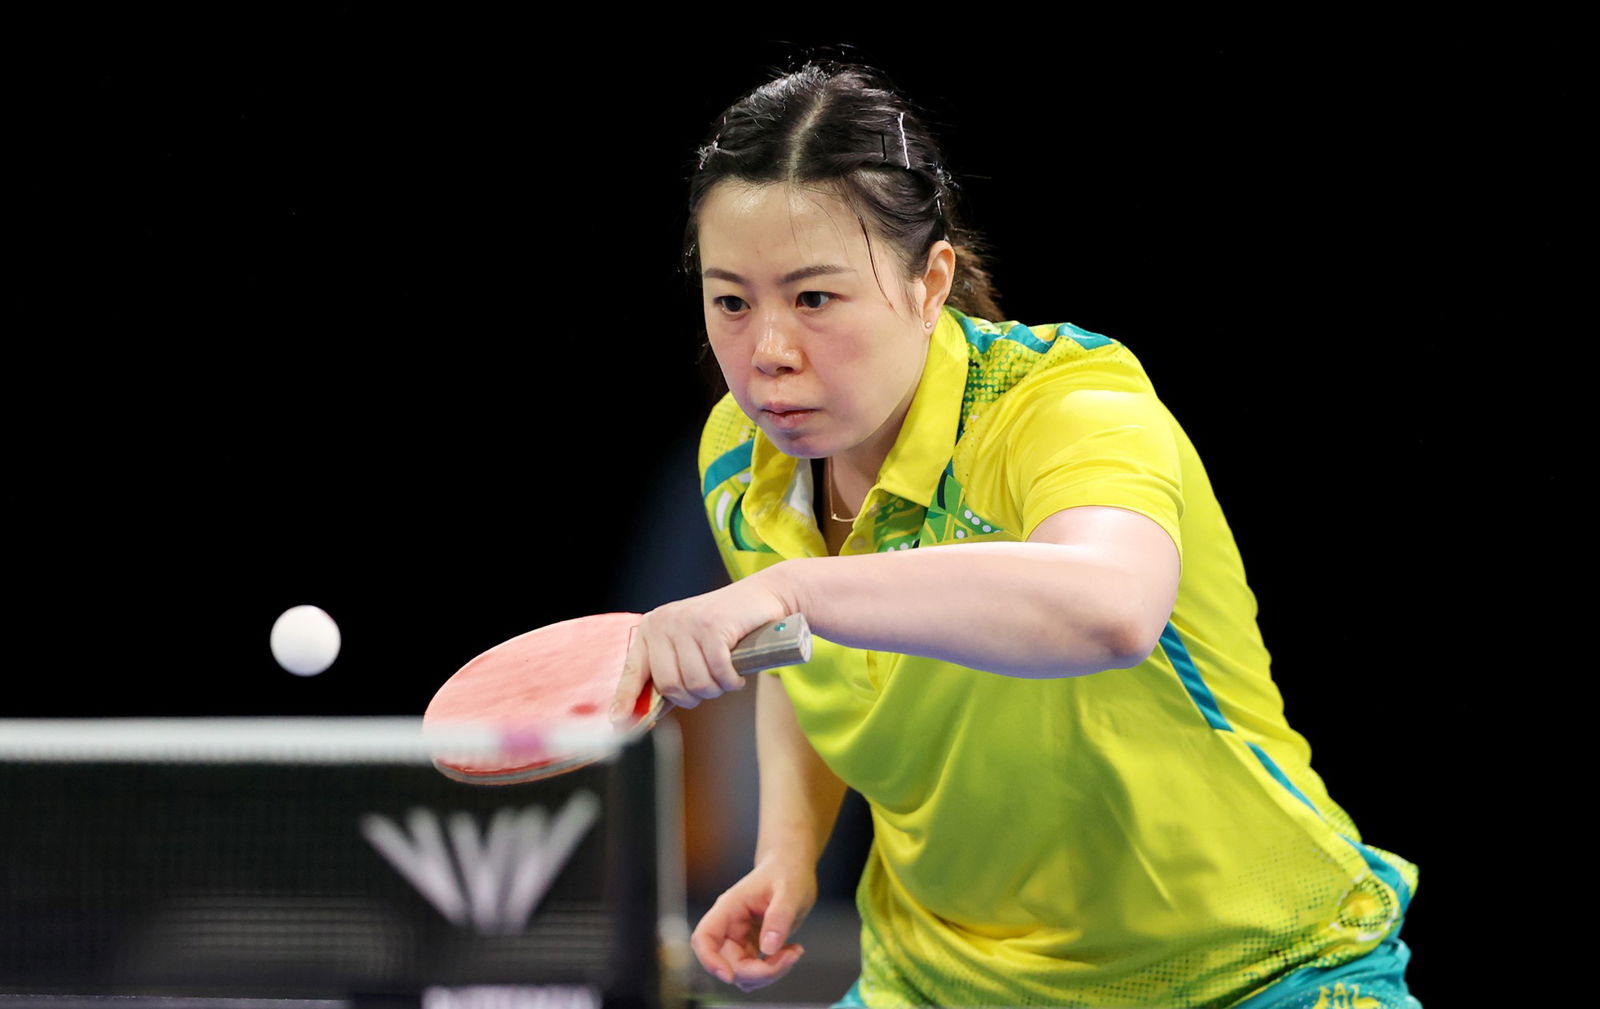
(750, 973)
(775, 927)
(727, 921)
(684, 647)
(665, 668)
(719, 665)
(699, 674)
(735, 961)
(727, 946)
(687, 659)
(677, 665)
(635, 674)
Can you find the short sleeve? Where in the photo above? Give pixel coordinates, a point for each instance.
(1067, 446)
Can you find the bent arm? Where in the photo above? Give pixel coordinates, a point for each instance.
(744, 938)
(1092, 589)
(800, 795)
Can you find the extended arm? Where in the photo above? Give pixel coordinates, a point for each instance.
(1092, 589)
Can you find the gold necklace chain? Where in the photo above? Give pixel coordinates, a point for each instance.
(827, 477)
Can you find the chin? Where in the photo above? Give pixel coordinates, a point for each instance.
(799, 447)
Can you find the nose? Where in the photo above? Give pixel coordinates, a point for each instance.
(777, 346)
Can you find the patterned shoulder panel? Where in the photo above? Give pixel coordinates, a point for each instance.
(1001, 354)
(1004, 355)
(726, 446)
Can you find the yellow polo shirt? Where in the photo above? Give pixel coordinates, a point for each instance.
(1142, 837)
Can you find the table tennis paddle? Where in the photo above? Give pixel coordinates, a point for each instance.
(547, 694)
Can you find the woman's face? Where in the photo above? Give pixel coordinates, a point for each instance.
(818, 349)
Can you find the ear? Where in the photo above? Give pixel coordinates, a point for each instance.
(938, 276)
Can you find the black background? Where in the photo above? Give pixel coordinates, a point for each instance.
(314, 293)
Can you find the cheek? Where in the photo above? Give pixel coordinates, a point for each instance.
(721, 348)
(726, 353)
(896, 371)
(886, 355)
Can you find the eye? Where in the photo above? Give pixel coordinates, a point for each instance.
(730, 304)
(805, 295)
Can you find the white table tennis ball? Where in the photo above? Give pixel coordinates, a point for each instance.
(305, 640)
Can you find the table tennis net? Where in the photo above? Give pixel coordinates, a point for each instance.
(312, 858)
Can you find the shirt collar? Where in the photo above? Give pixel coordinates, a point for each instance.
(922, 450)
(778, 502)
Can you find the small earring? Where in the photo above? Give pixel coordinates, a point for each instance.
(927, 325)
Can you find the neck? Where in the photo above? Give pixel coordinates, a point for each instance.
(830, 497)
(856, 469)
(853, 472)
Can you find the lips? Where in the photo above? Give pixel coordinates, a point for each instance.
(786, 417)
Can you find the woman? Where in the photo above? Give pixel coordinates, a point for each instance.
(1082, 786)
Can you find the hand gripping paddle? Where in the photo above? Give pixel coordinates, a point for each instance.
(545, 695)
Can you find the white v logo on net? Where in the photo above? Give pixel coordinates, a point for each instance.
(492, 880)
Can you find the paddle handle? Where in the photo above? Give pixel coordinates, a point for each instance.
(785, 642)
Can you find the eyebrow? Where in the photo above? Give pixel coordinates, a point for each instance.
(804, 273)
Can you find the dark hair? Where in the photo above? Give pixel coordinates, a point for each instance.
(844, 124)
